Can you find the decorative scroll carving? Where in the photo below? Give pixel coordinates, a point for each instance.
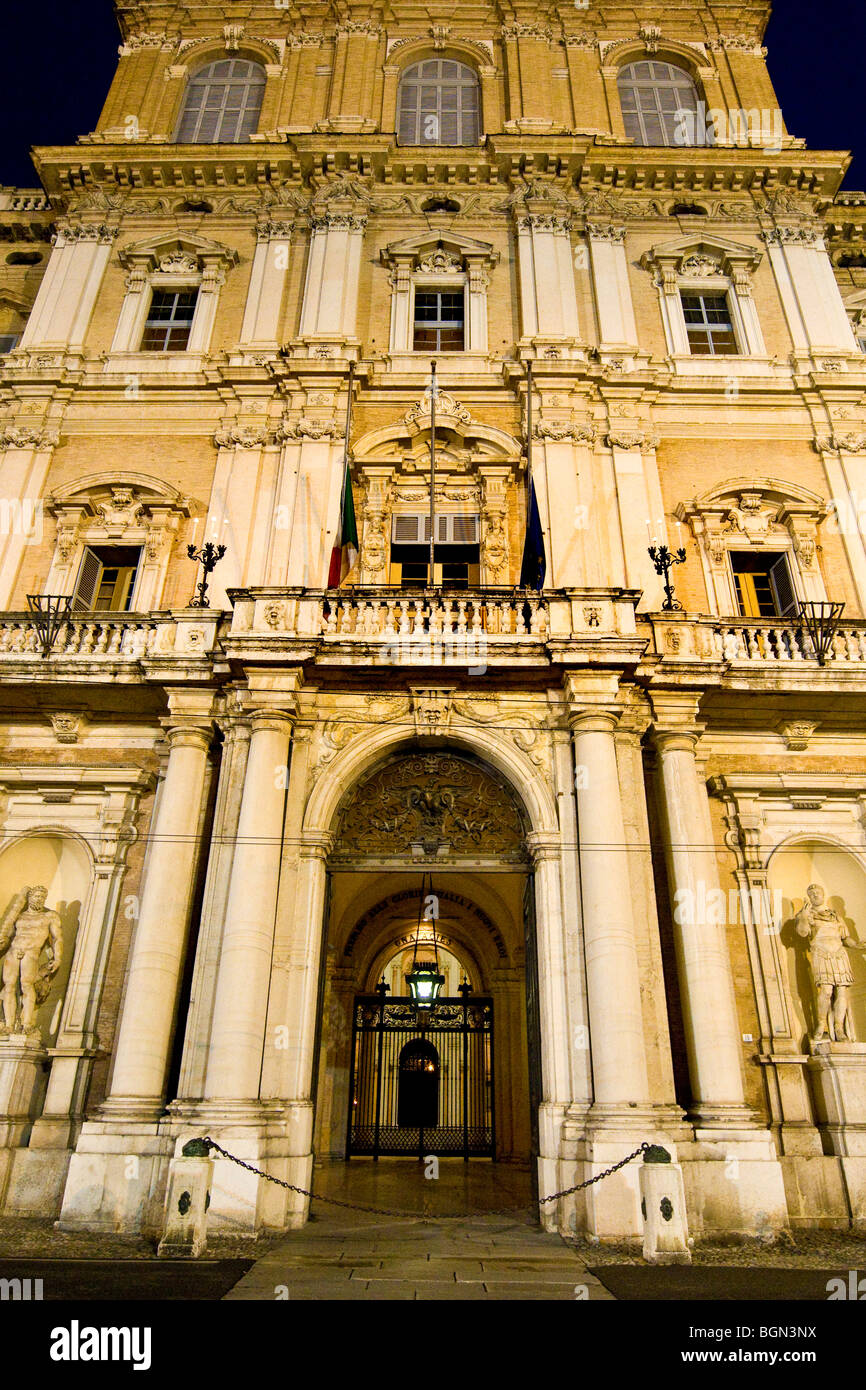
(437, 799)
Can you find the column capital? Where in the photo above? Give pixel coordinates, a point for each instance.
(676, 740)
(598, 720)
(316, 844)
(187, 734)
(277, 721)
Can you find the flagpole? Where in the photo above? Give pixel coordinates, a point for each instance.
(528, 433)
(433, 391)
(346, 482)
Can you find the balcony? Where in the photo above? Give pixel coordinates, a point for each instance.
(473, 628)
(737, 650)
(111, 646)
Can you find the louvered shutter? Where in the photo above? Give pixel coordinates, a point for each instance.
(783, 589)
(87, 584)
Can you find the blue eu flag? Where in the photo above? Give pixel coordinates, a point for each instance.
(534, 565)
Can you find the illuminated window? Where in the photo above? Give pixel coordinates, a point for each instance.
(660, 105)
(222, 103)
(763, 585)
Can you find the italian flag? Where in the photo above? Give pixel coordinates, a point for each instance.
(345, 551)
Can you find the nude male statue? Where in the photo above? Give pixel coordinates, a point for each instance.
(831, 968)
(27, 928)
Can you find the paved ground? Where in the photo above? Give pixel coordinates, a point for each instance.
(127, 1280)
(355, 1256)
(678, 1283)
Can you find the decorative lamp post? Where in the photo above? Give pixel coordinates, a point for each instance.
(821, 621)
(49, 612)
(664, 560)
(208, 557)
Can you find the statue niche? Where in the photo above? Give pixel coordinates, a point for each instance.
(830, 965)
(27, 928)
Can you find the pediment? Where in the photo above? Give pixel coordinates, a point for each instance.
(176, 251)
(427, 246)
(703, 254)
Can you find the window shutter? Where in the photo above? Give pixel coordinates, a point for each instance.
(408, 529)
(87, 584)
(783, 589)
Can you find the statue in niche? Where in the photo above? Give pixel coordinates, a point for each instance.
(27, 928)
(831, 967)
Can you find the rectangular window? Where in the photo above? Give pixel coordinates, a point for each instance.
(763, 584)
(439, 321)
(169, 320)
(456, 557)
(708, 323)
(106, 579)
(8, 341)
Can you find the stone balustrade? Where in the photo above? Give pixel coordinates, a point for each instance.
(752, 643)
(124, 639)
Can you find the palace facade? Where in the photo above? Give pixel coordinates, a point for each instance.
(291, 209)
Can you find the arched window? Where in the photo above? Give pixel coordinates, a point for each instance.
(222, 103)
(438, 104)
(659, 105)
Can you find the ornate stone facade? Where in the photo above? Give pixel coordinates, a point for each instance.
(231, 808)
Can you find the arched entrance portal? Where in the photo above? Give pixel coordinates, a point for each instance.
(444, 815)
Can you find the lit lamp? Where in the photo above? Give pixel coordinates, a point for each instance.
(425, 982)
(424, 979)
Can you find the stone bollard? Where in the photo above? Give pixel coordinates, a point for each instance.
(663, 1203)
(186, 1202)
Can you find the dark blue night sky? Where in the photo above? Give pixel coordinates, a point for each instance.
(59, 58)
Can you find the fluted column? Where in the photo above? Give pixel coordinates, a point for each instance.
(703, 961)
(147, 1020)
(240, 1007)
(619, 1067)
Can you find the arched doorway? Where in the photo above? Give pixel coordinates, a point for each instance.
(445, 814)
(418, 1085)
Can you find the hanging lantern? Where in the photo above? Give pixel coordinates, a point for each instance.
(425, 982)
(424, 979)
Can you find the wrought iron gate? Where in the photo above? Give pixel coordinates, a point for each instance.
(422, 1081)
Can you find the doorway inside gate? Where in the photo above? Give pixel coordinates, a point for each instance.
(422, 1079)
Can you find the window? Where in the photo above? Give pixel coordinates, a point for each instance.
(169, 320)
(222, 103)
(456, 559)
(8, 341)
(439, 318)
(763, 585)
(106, 578)
(438, 104)
(660, 105)
(708, 324)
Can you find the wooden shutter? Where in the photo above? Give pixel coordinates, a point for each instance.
(783, 589)
(87, 584)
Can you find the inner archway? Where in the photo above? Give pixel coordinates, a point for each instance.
(442, 820)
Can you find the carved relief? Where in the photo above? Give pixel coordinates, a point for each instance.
(433, 799)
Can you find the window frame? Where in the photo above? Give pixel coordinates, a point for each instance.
(176, 290)
(132, 584)
(194, 79)
(638, 114)
(715, 291)
(440, 287)
(782, 555)
(404, 81)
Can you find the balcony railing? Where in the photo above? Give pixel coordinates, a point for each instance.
(461, 614)
(752, 643)
(124, 638)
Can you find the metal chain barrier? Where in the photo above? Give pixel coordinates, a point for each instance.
(413, 1215)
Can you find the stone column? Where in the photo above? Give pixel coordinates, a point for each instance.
(240, 1007)
(746, 1191)
(610, 282)
(547, 294)
(263, 311)
(612, 978)
(809, 292)
(147, 1020)
(67, 295)
(703, 960)
(330, 304)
